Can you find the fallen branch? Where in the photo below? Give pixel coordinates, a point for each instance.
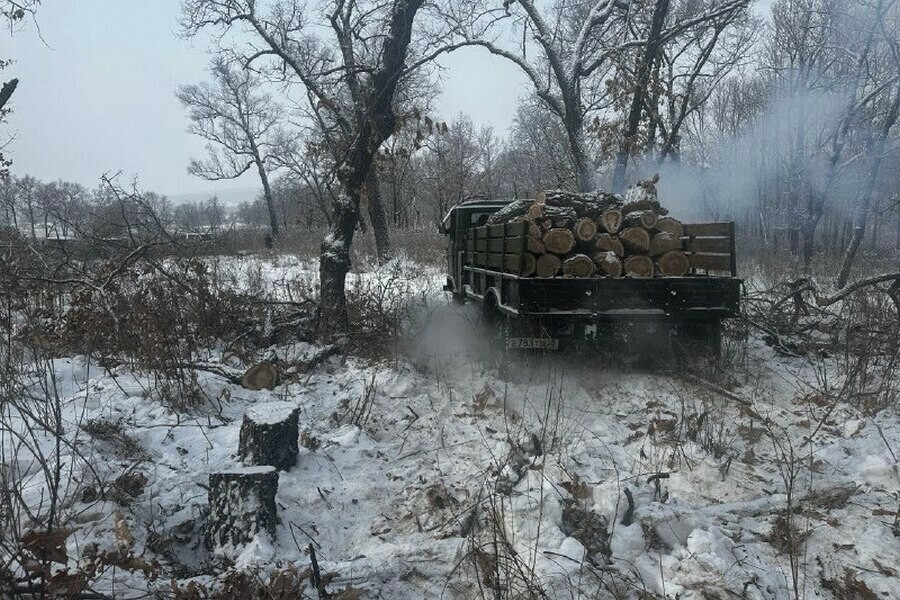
(870, 281)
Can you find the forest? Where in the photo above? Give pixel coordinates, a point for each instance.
(330, 389)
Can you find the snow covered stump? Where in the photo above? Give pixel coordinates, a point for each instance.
(270, 434)
(241, 504)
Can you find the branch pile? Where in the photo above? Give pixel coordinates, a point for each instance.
(599, 233)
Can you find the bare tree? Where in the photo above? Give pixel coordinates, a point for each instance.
(13, 12)
(240, 124)
(578, 47)
(350, 88)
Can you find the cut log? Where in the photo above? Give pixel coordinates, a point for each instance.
(589, 204)
(534, 229)
(547, 265)
(536, 211)
(642, 218)
(529, 265)
(674, 264)
(560, 240)
(510, 212)
(535, 245)
(611, 220)
(642, 196)
(636, 239)
(664, 242)
(639, 266)
(241, 505)
(578, 265)
(639, 205)
(670, 225)
(585, 229)
(269, 435)
(609, 263)
(609, 243)
(562, 216)
(261, 376)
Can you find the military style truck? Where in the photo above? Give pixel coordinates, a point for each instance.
(486, 263)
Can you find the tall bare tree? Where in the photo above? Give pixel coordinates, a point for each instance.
(579, 46)
(241, 125)
(350, 88)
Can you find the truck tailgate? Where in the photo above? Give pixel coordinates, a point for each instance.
(684, 296)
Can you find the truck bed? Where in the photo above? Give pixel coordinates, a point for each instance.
(493, 259)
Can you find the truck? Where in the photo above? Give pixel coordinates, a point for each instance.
(649, 315)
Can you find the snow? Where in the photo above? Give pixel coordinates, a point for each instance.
(388, 502)
(270, 413)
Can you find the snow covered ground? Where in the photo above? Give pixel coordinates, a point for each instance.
(435, 476)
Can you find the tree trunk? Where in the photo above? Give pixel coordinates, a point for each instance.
(334, 264)
(377, 216)
(269, 435)
(371, 132)
(267, 195)
(645, 69)
(241, 505)
(862, 209)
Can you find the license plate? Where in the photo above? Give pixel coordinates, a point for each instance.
(532, 344)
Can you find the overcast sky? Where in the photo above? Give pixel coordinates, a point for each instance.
(97, 94)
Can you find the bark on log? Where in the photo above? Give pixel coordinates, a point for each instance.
(585, 229)
(241, 505)
(664, 242)
(670, 225)
(529, 265)
(642, 218)
(535, 245)
(578, 265)
(609, 263)
(589, 204)
(269, 435)
(562, 216)
(611, 220)
(547, 265)
(559, 240)
(609, 243)
(635, 239)
(639, 266)
(510, 212)
(674, 263)
(536, 211)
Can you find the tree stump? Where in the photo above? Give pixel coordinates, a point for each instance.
(241, 504)
(269, 435)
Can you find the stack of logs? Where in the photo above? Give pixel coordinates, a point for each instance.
(598, 233)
